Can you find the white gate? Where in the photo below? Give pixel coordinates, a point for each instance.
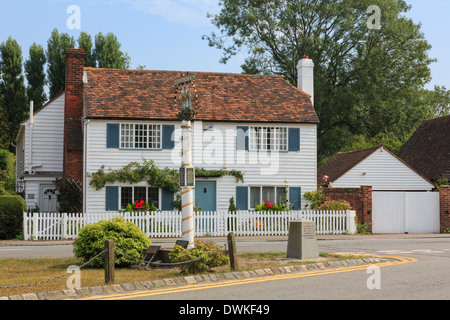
(401, 212)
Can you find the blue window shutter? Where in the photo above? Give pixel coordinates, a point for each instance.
(294, 139)
(242, 138)
(167, 139)
(166, 200)
(242, 198)
(112, 198)
(295, 198)
(112, 135)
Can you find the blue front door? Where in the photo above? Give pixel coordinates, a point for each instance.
(205, 195)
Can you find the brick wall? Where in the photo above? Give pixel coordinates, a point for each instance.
(73, 112)
(367, 206)
(360, 200)
(444, 201)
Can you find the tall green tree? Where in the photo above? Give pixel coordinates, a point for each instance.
(108, 53)
(438, 100)
(57, 47)
(34, 71)
(13, 96)
(367, 80)
(4, 127)
(85, 42)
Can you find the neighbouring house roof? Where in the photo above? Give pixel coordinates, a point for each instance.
(342, 162)
(43, 107)
(149, 95)
(428, 149)
(24, 121)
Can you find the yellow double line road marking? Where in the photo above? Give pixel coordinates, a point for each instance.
(397, 261)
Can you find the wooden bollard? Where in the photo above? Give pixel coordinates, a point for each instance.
(232, 251)
(109, 261)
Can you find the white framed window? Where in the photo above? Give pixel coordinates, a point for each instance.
(129, 195)
(274, 194)
(126, 136)
(140, 136)
(268, 138)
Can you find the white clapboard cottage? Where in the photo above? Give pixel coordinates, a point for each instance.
(259, 126)
(39, 155)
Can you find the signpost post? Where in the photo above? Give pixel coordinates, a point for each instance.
(187, 170)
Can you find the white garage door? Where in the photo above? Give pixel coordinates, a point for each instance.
(400, 212)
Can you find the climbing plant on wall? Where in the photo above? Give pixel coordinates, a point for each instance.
(137, 172)
(147, 171)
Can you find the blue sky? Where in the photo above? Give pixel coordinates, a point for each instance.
(166, 34)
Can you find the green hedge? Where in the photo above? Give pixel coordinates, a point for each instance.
(11, 216)
(127, 237)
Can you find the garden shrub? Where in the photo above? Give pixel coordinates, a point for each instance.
(440, 182)
(317, 198)
(335, 205)
(213, 256)
(319, 201)
(127, 237)
(11, 216)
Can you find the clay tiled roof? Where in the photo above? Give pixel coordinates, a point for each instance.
(149, 95)
(342, 162)
(428, 149)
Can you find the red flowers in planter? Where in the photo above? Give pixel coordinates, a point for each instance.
(268, 204)
(139, 204)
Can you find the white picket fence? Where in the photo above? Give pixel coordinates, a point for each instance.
(58, 226)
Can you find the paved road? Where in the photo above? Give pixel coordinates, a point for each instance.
(426, 278)
(368, 244)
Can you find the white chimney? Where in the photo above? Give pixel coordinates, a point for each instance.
(305, 81)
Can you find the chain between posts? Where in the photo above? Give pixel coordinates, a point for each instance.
(117, 252)
(52, 279)
(164, 263)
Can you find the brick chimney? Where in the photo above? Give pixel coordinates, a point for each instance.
(73, 113)
(305, 81)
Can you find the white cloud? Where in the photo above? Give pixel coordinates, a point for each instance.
(189, 12)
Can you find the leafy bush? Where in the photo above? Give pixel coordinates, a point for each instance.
(440, 182)
(324, 181)
(317, 198)
(127, 237)
(212, 256)
(11, 216)
(232, 207)
(362, 228)
(335, 205)
(319, 201)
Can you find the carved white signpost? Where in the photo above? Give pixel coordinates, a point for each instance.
(187, 170)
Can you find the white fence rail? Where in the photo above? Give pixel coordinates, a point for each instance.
(58, 226)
